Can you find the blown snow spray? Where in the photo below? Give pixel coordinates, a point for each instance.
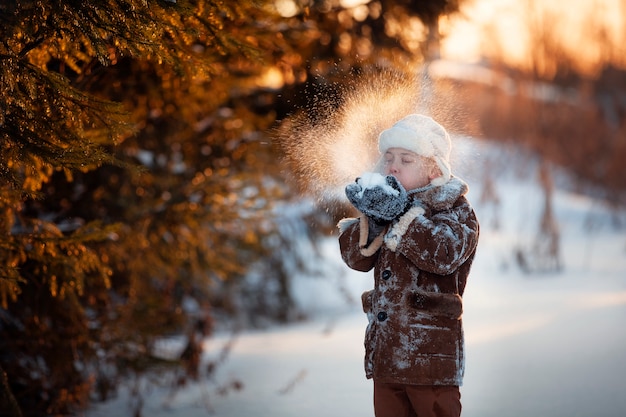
(330, 143)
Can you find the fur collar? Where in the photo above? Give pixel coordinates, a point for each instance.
(431, 198)
(441, 197)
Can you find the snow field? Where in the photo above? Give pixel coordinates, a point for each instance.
(549, 344)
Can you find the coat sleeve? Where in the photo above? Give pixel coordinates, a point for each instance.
(359, 250)
(440, 243)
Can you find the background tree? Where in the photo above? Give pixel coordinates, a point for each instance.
(132, 179)
(565, 108)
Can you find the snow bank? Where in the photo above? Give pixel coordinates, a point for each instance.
(549, 344)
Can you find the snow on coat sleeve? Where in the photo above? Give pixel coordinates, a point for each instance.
(359, 250)
(440, 243)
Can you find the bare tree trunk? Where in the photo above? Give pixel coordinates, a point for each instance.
(548, 241)
(431, 51)
(544, 254)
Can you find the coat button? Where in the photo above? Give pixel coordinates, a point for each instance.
(386, 274)
(382, 316)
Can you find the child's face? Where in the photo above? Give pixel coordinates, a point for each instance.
(412, 170)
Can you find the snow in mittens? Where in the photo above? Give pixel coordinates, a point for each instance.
(373, 180)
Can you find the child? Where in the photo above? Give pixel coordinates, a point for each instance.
(419, 234)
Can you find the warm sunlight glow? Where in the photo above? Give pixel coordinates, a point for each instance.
(271, 78)
(352, 3)
(286, 8)
(591, 32)
(486, 28)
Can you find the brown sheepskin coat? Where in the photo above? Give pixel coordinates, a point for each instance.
(421, 262)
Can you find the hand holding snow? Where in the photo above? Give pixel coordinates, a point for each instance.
(373, 180)
(378, 197)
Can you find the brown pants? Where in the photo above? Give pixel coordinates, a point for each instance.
(399, 400)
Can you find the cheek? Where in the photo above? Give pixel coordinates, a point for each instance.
(407, 180)
(414, 178)
(415, 172)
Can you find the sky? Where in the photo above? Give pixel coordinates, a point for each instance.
(487, 27)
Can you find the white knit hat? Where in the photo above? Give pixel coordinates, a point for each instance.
(422, 135)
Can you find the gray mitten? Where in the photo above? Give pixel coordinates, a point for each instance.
(380, 198)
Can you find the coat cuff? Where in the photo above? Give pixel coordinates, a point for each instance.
(375, 244)
(344, 224)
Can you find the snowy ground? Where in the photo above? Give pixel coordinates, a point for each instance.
(547, 344)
